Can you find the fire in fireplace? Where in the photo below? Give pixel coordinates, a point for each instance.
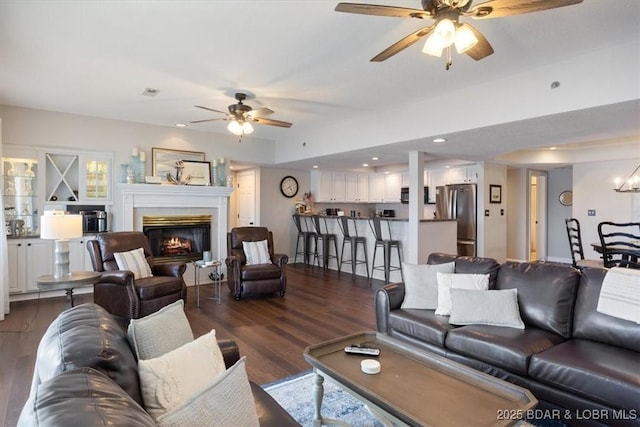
(177, 237)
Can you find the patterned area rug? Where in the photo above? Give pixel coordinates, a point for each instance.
(295, 394)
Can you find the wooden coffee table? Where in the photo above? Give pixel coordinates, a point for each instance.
(415, 387)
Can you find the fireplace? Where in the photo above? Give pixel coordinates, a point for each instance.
(177, 237)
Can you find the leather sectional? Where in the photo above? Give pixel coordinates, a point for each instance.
(583, 366)
(87, 374)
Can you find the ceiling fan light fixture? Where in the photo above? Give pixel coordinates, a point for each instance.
(234, 127)
(247, 128)
(432, 46)
(445, 32)
(465, 39)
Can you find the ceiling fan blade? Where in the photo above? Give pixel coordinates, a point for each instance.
(500, 8)
(271, 122)
(402, 44)
(207, 120)
(260, 112)
(482, 49)
(392, 11)
(210, 109)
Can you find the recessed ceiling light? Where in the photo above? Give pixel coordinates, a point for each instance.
(375, 158)
(315, 166)
(447, 167)
(553, 148)
(181, 125)
(365, 165)
(440, 140)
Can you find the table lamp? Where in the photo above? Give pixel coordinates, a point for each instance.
(61, 228)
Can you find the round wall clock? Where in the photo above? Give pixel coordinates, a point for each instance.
(289, 186)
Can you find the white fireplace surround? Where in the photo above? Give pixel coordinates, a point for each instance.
(152, 199)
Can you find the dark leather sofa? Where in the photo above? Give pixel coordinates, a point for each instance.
(583, 366)
(86, 374)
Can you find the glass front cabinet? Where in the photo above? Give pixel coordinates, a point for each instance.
(20, 195)
(78, 178)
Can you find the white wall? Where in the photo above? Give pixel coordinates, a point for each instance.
(517, 188)
(494, 226)
(559, 180)
(593, 189)
(276, 209)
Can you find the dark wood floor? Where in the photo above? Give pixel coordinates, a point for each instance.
(271, 332)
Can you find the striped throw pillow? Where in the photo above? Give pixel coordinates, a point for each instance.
(256, 252)
(135, 262)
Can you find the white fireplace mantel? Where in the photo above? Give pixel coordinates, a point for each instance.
(177, 198)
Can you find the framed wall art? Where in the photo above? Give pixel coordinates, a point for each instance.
(163, 161)
(495, 193)
(196, 172)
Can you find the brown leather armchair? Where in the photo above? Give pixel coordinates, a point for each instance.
(246, 279)
(118, 292)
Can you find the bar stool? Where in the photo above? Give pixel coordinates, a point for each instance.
(387, 245)
(306, 235)
(326, 238)
(347, 238)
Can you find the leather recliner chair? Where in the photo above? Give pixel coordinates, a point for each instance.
(118, 292)
(246, 279)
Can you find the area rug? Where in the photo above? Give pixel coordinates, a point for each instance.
(295, 395)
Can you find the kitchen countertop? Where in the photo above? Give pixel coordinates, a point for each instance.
(384, 218)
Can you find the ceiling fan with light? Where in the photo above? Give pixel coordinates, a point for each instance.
(447, 30)
(241, 117)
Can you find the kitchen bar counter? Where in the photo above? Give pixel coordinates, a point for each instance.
(435, 235)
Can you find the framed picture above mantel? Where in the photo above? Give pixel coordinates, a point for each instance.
(196, 172)
(164, 161)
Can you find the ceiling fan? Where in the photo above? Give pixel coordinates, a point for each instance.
(240, 117)
(447, 30)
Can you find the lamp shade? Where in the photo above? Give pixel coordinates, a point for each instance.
(234, 127)
(60, 226)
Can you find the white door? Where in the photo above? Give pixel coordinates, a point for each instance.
(246, 198)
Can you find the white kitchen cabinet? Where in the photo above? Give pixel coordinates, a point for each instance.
(463, 175)
(437, 178)
(79, 259)
(28, 259)
(392, 185)
(328, 186)
(356, 187)
(385, 188)
(376, 188)
(78, 178)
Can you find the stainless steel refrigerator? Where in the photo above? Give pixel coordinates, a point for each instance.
(459, 202)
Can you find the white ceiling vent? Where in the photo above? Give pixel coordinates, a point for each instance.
(150, 92)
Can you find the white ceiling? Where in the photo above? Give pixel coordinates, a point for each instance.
(309, 64)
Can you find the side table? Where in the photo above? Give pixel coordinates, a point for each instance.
(199, 265)
(74, 280)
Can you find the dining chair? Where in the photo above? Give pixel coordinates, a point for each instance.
(575, 246)
(620, 244)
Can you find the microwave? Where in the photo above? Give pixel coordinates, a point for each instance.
(404, 195)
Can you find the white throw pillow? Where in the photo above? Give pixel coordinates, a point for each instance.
(171, 379)
(160, 332)
(421, 284)
(135, 262)
(478, 282)
(227, 401)
(496, 308)
(256, 252)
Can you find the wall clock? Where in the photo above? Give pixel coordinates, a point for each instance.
(289, 186)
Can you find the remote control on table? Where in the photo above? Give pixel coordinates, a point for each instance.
(359, 349)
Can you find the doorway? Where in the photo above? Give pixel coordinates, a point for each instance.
(537, 216)
(246, 198)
